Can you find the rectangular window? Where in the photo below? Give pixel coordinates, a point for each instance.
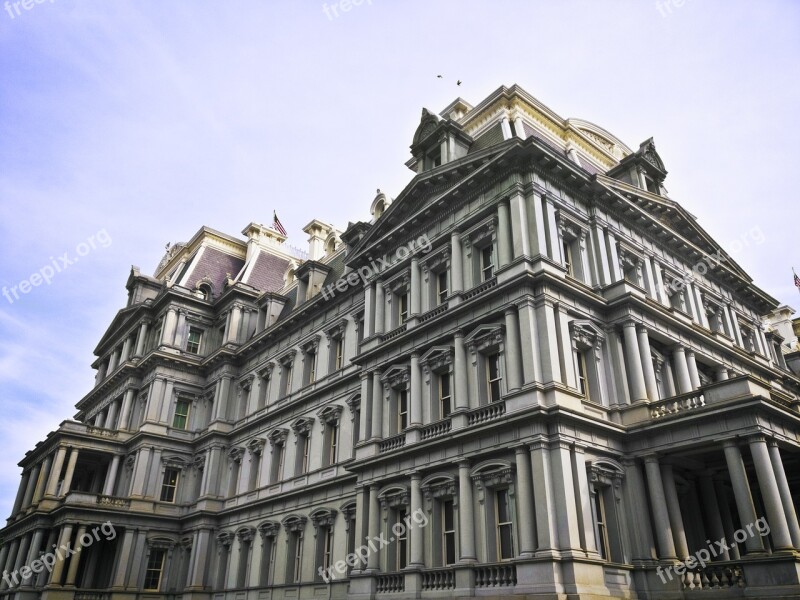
(402, 308)
(402, 410)
(169, 486)
(287, 385)
(276, 468)
(487, 263)
(333, 443)
(338, 354)
(493, 377)
(505, 527)
(304, 448)
(448, 533)
(297, 558)
(568, 264)
(445, 399)
(600, 524)
(312, 367)
(327, 549)
(583, 382)
(441, 287)
(154, 569)
(193, 340)
(181, 418)
(401, 560)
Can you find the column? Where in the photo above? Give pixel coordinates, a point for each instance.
(22, 552)
(369, 310)
(633, 363)
(709, 497)
(584, 499)
(417, 552)
(456, 264)
(55, 471)
(525, 513)
(466, 518)
(141, 338)
(111, 476)
(635, 498)
(111, 417)
(415, 409)
(380, 307)
(543, 496)
(373, 560)
(504, 239)
(770, 493)
(529, 340)
(661, 520)
(33, 553)
(519, 226)
(539, 237)
(199, 554)
(31, 487)
(75, 561)
(416, 289)
(365, 416)
(681, 370)
(674, 510)
(647, 364)
(125, 413)
(11, 558)
(168, 331)
(460, 374)
(513, 349)
(694, 375)
(722, 373)
(742, 495)
(564, 500)
(23, 485)
(4, 555)
(377, 406)
(235, 324)
(41, 482)
(58, 569)
(126, 350)
(548, 342)
(139, 476)
(786, 494)
(73, 458)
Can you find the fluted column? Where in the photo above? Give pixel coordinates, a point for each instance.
(373, 559)
(33, 552)
(380, 307)
(417, 552)
(785, 492)
(504, 240)
(75, 561)
(633, 359)
(661, 520)
(741, 493)
(694, 375)
(55, 471)
(712, 510)
(125, 412)
(73, 458)
(527, 524)
(377, 406)
(460, 374)
(513, 349)
(770, 493)
(674, 510)
(111, 476)
(647, 364)
(681, 370)
(41, 482)
(456, 264)
(416, 287)
(466, 517)
(58, 568)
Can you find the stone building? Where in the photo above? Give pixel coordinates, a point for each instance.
(531, 373)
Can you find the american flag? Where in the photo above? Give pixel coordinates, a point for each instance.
(277, 225)
(796, 279)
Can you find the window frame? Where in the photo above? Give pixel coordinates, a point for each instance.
(170, 487)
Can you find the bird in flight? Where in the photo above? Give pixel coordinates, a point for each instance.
(458, 82)
(440, 77)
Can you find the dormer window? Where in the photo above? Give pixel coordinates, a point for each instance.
(434, 158)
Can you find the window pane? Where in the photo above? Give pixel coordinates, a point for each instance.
(155, 563)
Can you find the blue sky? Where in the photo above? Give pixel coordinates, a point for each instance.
(138, 122)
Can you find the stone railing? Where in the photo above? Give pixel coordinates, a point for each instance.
(390, 583)
(486, 413)
(476, 291)
(493, 576)
(714, 577)
(438, 579)
(114, 501)
(433, 313)
(677, 404)
(89, 595)
(395, 332)
(434, 430)
(392, 443)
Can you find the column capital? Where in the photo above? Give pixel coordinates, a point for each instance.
(510, 310)
(730, 443)
(415, 476)
(757, 437)
(464, 463)
(772, 443)
(651, 458)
